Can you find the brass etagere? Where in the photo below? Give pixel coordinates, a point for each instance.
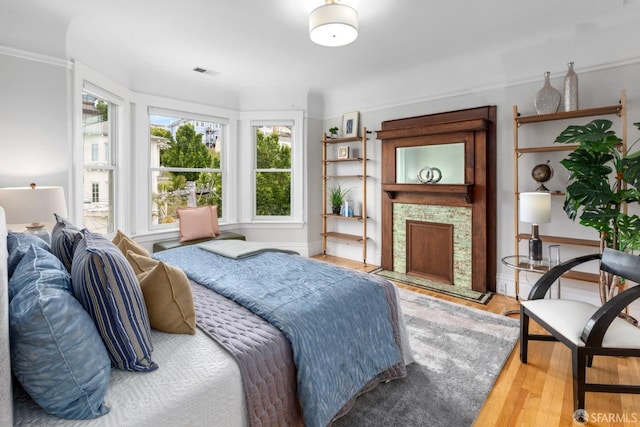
(326, 177)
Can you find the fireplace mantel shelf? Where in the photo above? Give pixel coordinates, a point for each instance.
(463, 190)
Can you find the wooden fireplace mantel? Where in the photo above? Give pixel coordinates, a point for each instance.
(453, 190)
(477, 128)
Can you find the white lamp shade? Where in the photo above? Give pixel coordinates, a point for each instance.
(333, 25)
(535, 208)
(26, 205)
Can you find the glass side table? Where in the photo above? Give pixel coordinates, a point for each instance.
(524, 263)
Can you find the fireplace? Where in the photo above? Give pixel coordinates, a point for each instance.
(442, 231)
(433, 242)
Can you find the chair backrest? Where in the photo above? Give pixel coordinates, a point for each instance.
(621, 264)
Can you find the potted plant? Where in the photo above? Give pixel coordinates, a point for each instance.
(336, 198)
(333, 132)
(601, 182)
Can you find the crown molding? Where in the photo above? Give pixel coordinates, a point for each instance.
(35, 57)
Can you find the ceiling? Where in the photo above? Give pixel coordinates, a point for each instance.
(265, 43)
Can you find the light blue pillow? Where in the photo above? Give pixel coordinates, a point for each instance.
(106, 286)
(17, 245)
(56, 352)
(63, 236)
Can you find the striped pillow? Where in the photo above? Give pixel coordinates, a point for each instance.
(62, 237)
(106, 286)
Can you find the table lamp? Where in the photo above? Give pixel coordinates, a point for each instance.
(535, 208)
(33, 206)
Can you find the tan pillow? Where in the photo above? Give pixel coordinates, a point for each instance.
(167, 295)
(196, 223)
(140, 263)
(126, 244)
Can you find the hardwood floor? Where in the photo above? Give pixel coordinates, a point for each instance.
(540, 392)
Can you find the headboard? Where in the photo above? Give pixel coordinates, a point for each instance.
(6, 401)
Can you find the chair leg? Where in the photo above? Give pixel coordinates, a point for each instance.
(579, 366)
(524, 336)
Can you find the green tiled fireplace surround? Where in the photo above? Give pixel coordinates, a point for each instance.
(459, 217)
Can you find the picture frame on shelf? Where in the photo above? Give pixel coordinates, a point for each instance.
(350, 124)
(343, 152)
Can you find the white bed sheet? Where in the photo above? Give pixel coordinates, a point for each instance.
(198, 384)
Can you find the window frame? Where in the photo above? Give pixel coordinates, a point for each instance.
(197, 118)
(84, 78)
(251, 120)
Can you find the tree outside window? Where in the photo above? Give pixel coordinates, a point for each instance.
(184, 151)
(273, 170)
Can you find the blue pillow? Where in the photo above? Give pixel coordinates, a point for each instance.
(106, 286)
(17, 245)
(63, 235)
(56, 352)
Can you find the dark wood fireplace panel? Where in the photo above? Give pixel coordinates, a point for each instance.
(430, 251)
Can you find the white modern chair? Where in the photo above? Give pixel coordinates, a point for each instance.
(587, 330)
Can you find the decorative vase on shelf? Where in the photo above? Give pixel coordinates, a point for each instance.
(570, 89)
(547, 99)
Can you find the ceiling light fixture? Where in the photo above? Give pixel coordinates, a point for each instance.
(333, 24)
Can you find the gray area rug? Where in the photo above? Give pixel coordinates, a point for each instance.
(459, 352)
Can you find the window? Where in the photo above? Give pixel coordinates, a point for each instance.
(95, 192)
(98, 129)
(94, 153)
(273, 170)
(185, 157)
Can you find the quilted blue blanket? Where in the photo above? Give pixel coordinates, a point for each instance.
(338, 321)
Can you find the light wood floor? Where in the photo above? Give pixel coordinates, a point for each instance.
(540, 392)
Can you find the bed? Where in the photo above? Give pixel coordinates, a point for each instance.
(204, 378)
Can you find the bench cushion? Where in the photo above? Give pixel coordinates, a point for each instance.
(174, 243)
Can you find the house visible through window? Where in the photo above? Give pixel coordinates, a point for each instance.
(98, 129)
(184, 150)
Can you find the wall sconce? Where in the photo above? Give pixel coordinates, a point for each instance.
(535, 208)
(33, 206)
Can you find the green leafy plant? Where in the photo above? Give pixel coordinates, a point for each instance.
(333, 130)
(602, 184)
(337, 195)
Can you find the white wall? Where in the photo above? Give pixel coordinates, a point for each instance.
(35, 143)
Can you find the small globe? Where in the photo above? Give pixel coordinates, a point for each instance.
(542, 173)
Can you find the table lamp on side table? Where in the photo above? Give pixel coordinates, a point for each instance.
(535, 208)
(33, 206)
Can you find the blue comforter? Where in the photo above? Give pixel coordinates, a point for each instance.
(338, 321)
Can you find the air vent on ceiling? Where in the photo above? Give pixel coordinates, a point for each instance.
(205, 71)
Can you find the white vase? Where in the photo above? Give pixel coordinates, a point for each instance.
(570, 89)
(547, 99)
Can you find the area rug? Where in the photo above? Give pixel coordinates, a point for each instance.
(459, 352)
(455, 291)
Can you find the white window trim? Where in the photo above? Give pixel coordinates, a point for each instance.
(248, 120)
(86, 78)
(146, 104)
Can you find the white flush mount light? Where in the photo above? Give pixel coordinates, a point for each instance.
(333, 24)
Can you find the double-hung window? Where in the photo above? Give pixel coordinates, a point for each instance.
(185, 162)
(273, 170)
(270, 163)
(99, 132)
